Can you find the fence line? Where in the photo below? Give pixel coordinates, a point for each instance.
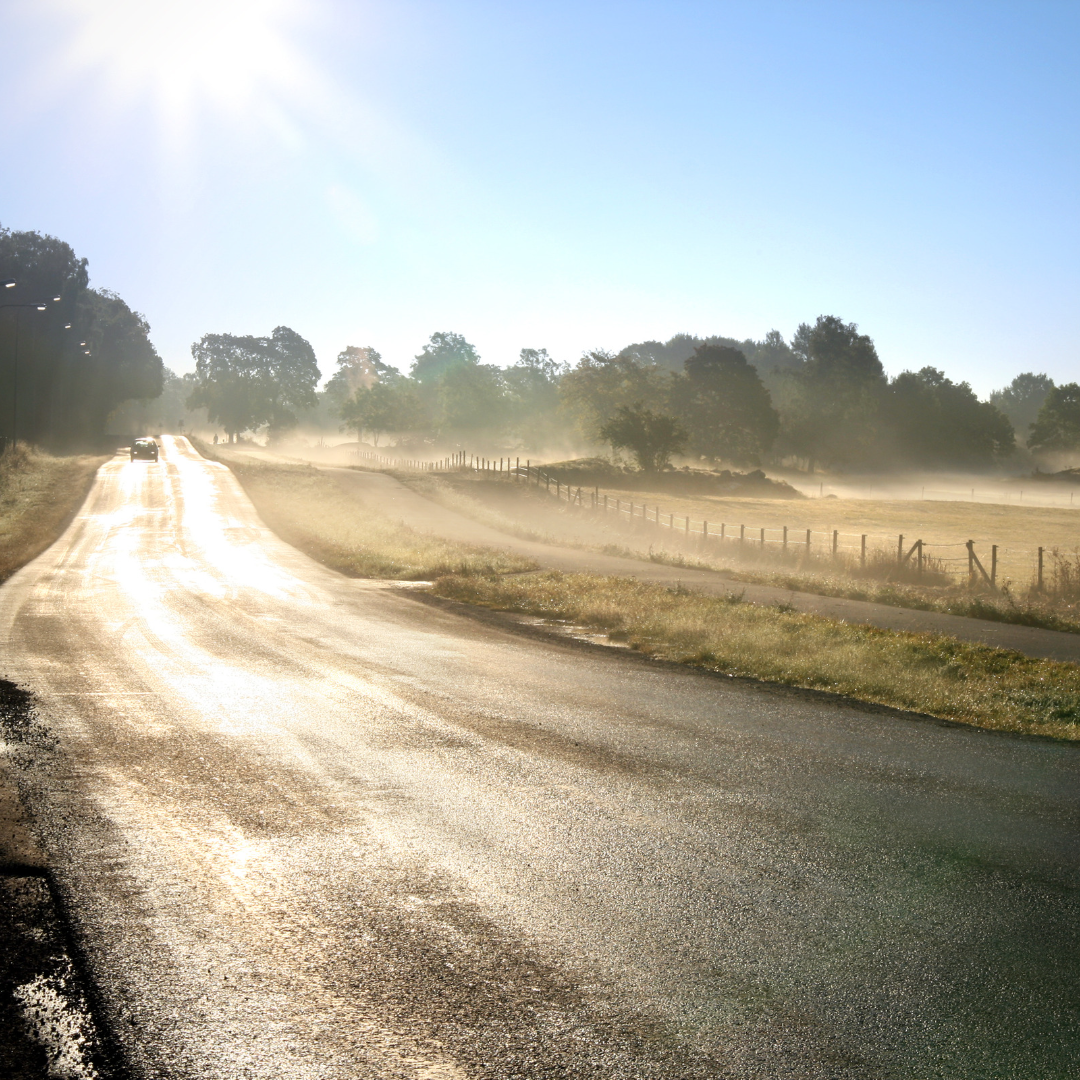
(683, 525)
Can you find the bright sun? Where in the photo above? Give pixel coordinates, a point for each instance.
(226, 56)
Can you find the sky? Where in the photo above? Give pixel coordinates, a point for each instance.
(567, 176)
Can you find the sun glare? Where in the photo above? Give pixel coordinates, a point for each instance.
(231, 57)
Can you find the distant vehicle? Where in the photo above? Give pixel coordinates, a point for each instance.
(144, 448)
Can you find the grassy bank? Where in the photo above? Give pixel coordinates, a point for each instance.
(928, 673)
(39, 495)
(307, 509)
(532, 515)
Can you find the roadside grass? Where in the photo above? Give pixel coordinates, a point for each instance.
(532, 515)
(308, 509)
(927, 673)
(39, 495)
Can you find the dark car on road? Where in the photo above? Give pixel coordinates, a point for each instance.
(144, 448)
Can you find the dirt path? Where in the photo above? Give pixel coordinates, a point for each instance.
(399, 501)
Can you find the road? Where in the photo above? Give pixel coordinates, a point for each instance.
(307, 826)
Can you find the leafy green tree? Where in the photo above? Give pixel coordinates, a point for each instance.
(78, 359)
(389, 405)
(602, 383)
(471, 399)
(291, 374)
(442, 353)
(724, 406)
(936, 422)
(356, 367)
(651, 437)
(1057, 427)
(1022, 399)
(829, 406)
(532, 388)
(246, 382)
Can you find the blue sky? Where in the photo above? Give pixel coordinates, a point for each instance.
(561, 175)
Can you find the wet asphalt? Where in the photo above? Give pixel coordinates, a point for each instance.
(304, 826)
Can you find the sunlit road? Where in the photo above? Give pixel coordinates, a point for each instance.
(313, 827)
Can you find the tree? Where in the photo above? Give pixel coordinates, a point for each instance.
(357, 366)
(291, 374)
(1057, 427)
(1022, 399)
(442, 353)
(651, 437)
(471, 398)
(77, 360)
(937, 422)
(602, 383)
(829, 406)
(724, 406)
(532, 389)
(246, 382)
(390, 404)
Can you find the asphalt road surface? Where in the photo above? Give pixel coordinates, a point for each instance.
(307, 826)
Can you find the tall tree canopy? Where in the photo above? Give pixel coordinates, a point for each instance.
(246, 382)
(724, 406)
(64, 369)
(443, 352)
(829, 407)
(357, 366)
(936, 422)
(1022, 399)
(602, 383)
(1057, 427)
(532, 386)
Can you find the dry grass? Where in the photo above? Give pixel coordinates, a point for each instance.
(533, 515)
(927, 673)
(307, 509)
(39, 495)
(1017, 530)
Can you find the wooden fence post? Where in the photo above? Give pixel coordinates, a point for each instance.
(970, 545)
(762, 539)
(993, 566)
(862, 553)
(1040, 569)
(920, 565)
(785, 538)
(705, 530)
(900, 551)
(835, 541)
(742, 536)
(688, 526)
(807, 541)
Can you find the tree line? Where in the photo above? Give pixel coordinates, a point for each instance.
(822, 398)
(70, 353)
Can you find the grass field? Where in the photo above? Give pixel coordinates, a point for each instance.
(927, 673)
(531, 513)
(945, 526)
(39, 495)
(307, 509)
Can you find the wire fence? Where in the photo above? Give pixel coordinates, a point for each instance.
(979, 561)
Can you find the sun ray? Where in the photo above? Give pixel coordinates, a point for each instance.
(233, 59)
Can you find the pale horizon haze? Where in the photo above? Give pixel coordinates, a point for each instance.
(561, 176)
